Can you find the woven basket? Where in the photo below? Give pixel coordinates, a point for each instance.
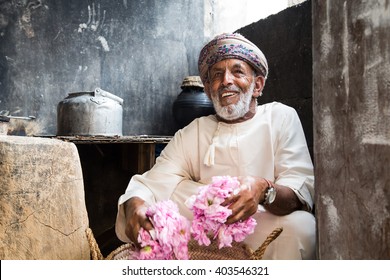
(238, 251)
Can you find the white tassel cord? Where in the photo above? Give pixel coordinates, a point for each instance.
(209, 158)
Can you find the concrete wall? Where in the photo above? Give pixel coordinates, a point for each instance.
(351, 54)
(137, 50)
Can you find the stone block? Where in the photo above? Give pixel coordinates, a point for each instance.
(42, 206)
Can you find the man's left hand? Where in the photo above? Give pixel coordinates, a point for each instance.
(244, 204)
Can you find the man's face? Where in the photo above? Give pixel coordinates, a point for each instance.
(233, 88)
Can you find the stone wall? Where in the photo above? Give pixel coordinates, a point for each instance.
(351, 54)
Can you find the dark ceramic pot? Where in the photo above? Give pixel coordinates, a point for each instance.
(192, 102)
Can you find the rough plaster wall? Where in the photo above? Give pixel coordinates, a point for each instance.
(351, 105)
(137, 50)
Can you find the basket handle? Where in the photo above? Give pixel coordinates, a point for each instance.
(94, 247)
(258, 254)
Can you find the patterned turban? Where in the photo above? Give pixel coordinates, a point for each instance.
(231, 46)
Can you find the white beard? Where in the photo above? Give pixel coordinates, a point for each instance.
(234, 111)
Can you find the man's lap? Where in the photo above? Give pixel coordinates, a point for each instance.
(297, 241)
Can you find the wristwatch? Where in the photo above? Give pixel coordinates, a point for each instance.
(270, 194)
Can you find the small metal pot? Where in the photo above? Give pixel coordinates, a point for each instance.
(4, 120)
(90, 113)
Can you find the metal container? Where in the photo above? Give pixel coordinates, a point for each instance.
(97, 113)
(4, 125)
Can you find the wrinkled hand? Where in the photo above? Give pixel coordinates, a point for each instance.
(135, 209)
(244, 204)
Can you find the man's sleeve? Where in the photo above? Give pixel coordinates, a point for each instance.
(293, 164)
(172, 169)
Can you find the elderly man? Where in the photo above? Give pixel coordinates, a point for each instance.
(264, 146)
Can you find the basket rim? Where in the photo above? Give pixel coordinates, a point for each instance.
(253, 255)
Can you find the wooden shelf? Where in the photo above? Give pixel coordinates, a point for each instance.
(156, 139)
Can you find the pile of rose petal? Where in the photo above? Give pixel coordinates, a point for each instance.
(172, 232)
(210, 217)
(169, 238)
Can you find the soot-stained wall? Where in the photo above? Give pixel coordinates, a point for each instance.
(137, 50)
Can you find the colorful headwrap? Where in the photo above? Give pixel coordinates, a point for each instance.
(231, 46)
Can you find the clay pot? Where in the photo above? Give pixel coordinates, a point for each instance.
(192, 102)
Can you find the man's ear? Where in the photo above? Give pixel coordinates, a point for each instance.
(259, 85)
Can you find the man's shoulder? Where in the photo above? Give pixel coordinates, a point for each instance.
(277, 107)
(201, 121)
(196, 124)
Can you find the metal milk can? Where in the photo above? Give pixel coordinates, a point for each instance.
(97, 113)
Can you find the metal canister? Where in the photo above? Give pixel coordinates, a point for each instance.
(4, 120)
(97, 113)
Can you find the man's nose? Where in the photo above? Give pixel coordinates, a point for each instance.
(227, 78)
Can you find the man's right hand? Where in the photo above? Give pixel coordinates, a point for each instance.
(135, 209)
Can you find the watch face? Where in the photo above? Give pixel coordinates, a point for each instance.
(271, 195)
